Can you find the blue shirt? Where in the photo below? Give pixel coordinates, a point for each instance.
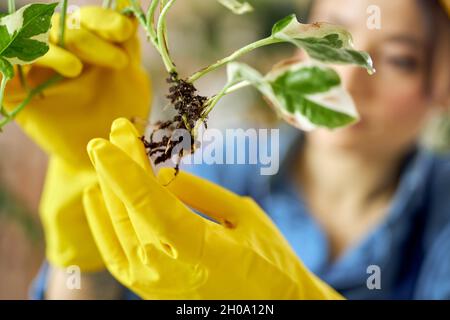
(410, 248)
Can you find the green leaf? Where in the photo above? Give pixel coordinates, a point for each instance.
(307, 95)
(6, 68)
(24, 33)
(236, 6)
(324, 42)
(283, 23)
(308, 80)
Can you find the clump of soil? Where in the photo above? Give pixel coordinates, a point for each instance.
(189, 107)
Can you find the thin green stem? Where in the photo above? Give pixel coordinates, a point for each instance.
(210, 104)
(186, 122)
(11, 115)
(237, 86)
(2, 92)
(11, 6)
(138, 12)
(107, 4)
(214, 100)
(166, 39)
(233, 56)
(162, 36)
(140, 15)
(150, 27)
(163, 3)
(158, 37)
(62, 24)
(23, 81)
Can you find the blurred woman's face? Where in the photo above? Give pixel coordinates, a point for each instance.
(393, 103)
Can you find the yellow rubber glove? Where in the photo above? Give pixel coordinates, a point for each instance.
(104, 80)
(156, 246)
(112, 84)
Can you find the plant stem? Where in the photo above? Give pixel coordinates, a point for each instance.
(158, 37)
(162, 36)
(2, 92)
(150, 27)
(107, 4)
(163, 4)
(62, 27)
(214, 100)
(11, 115)
(166, 40)
(23, 81)
(229, 88)
(211, 103)
(233, 56)
(11, 6)
(138, 12)
(237, 86)
(143, 20)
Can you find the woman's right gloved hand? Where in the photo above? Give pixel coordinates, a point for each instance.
(154, 244)
(104, 79)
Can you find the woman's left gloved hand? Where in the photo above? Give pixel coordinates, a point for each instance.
(103, 79)
(154, 244)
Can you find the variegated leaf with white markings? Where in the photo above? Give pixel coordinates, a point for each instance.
(24, 33)
(322, 41)
(307, 95)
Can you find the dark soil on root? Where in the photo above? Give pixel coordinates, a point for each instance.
(189, 107)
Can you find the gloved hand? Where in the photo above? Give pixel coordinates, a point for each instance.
(104, 80)
(156, 246)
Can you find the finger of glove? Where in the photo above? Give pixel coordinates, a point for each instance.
(208, 198)
(121, 222)
(115, 235)
(61, 61)
(155, 212)
(107, 24)
(102, 229)
(89, 47)
(127, 138)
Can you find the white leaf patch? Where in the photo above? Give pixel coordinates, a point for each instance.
(237, 7)
(14, 21)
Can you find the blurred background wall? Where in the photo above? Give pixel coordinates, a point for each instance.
(200, 31)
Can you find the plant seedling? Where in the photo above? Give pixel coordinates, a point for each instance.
(306, 94)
